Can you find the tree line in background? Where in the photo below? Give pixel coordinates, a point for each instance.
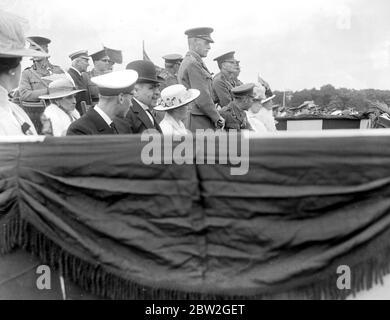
(328, 97)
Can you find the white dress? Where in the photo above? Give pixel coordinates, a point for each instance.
(13, 117)
(59, 119)
(256, 124)
(169, 126)
(266, 117)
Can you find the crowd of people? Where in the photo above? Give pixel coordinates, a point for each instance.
(181, 98)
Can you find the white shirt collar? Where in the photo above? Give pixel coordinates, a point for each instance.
(143, 105)
(105, 117)
(76, 70)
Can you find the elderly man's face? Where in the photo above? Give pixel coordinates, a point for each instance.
(202, 47)
(147, 93)
(82, 64)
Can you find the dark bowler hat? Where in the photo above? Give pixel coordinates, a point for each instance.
(40, 41)
(172, 58)
(146, 71)
(225, 57)
(202, 33)
(115, 83)
(244, 90)
(79, 54)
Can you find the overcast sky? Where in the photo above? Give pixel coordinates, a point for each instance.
(292, 44)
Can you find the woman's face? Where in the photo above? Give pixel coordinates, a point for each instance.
(179, 113)
(68, 103)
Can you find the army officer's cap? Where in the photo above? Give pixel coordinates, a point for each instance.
(115, 83)
(172, 58)
(40, 41)
(202, 33)
(244, 90)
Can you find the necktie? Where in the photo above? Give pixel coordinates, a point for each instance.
(153, 121)
(113, 127)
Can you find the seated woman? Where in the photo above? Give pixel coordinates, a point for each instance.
(62, 111)
(174, 101)
(260, 114)
(13, 119)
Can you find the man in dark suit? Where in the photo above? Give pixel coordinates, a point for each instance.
(80, 63)
(146, 93)
(115, 94)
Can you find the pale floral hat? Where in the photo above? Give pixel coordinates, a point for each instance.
(176, 96)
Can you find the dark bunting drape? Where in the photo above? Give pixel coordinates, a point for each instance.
(123, 229)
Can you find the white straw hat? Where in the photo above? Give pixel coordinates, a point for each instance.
(12, 39)
(59, 89)
(176, 96)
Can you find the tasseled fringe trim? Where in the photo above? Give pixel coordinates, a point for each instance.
(94, 279)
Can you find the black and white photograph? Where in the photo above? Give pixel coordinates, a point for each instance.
(195, 155)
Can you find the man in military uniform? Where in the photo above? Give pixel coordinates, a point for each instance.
(103, 62)
(31, 83)
(193, 74)
(169, 74)
(234, 113)
(80, 63)
(226, 80)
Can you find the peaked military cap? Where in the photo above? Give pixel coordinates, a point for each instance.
(114, 83)
(225, 57)
(243, 90)
(202, 33)
(114, 55)
(79, 54)
(173, 57)
(40, 41)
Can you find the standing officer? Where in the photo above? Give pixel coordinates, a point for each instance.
(194, 74)
(31, 84)
(169, 74)
(226, 80)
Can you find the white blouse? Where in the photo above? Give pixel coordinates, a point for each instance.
(12, 117)
(170, 126)
(59, 119)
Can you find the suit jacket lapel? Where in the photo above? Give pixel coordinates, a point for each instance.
(142, 116)
(101, 126)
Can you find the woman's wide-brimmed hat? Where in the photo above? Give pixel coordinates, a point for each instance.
(60, 88)
(12, 39)
(176, 96)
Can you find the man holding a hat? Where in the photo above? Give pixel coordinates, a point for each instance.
(103, 62)
(32, 85)
(146, 94)
(169, 74)
(58, 116)
(226, 80)
(13, 119)
(234, 112)
(193, 73)
(80, 63)
(115, 94)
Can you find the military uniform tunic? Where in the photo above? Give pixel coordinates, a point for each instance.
(31, 83)
(235, 117)
(169, 79)
(222, 87)
(194, 74)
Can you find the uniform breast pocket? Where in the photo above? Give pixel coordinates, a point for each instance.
(36, 84)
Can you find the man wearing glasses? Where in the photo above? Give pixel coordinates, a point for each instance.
(226, 80)
(103, 62)
(193, 74)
